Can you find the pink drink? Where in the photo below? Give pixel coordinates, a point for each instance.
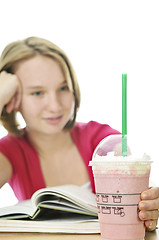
(119, 182)
(118, 196)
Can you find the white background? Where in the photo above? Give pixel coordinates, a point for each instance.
(103, 39)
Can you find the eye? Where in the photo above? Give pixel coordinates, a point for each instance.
(38, 93)
(64, 88)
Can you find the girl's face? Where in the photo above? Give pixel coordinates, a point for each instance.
(47, 103)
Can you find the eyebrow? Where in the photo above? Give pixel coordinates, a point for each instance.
(40, 87)
(34, 87)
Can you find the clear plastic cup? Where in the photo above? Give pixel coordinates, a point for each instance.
(119, 182)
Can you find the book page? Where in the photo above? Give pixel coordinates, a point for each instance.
(20, 210)
(52, 226)
(76, 194)
(66, 198)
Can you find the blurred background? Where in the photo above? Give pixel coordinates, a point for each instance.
(103, 39)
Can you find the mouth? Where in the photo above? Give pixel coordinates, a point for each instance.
(53, 120)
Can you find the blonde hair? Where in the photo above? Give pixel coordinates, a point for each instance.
(28, 48)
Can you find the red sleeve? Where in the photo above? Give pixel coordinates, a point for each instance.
(27, 176)
(86, 137)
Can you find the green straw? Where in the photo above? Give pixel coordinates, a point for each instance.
(124, 115)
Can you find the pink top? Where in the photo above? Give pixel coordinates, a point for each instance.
(27, 174)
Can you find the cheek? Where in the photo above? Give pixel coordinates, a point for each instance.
(28, 107)
(68, 101)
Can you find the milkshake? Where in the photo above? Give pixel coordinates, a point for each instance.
(119, 182)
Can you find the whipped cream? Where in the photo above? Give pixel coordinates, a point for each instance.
(110, 157)
(121, 165)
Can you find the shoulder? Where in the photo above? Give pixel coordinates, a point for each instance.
(10, 140)
(93, 127)
(7, 140)
(11, 145)
(92, 132)
(81, 126)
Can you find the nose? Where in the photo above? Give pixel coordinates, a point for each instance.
(53, 103)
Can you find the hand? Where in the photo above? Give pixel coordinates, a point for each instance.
(149, 208)
(10, 94)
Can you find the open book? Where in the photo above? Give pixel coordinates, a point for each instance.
(65, 209)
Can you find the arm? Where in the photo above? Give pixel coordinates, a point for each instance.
(9, 92)
(9, 98)
(5, 170)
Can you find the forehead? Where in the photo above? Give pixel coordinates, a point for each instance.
(42, 67)
(39, 67)
(37, 63)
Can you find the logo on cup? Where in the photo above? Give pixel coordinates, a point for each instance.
(106, 210)
(119, 211)
(104, 198)
(117, 199)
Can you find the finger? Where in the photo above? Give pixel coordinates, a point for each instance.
(10, 106)
(149, 204)
(17, 100)
(150, 225)
(149, 215)
(151, 193)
